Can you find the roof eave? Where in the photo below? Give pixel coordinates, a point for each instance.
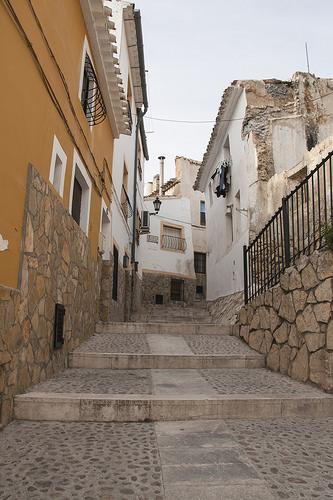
(98, 26)
(226, 110)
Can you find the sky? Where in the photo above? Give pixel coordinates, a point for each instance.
(194, 49)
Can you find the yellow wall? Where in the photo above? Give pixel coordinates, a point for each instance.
(29, 118)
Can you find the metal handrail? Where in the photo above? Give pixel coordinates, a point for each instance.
(173, 243)
(296, 228)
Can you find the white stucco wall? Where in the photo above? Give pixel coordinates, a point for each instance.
(225, 258)
(124, 152)
(174, 211)
(186, 171)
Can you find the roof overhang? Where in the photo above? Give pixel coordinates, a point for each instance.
(219, 132)
(133, 52)
(98, 23)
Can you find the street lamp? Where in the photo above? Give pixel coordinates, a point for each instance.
(157, 204)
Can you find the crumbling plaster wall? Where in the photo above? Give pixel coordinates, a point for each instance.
(284, 120)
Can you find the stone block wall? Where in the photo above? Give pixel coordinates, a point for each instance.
(160, 284)
(293, 323)
(56, 267)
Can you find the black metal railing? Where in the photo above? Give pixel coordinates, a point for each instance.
(296, 228)
(126, 204)
(173, 243)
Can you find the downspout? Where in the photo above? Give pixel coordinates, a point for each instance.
(140, 115)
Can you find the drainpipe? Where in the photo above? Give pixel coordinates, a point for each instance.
(140, 115)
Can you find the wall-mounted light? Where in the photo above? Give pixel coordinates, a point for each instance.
(157, 204)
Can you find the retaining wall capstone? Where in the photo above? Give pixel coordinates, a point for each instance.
(293, 322)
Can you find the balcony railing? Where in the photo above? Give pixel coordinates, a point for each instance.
(173, 243)
(126, 204)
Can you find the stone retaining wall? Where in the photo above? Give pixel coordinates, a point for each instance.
(56, 266)
(293, 324)
(224, 310)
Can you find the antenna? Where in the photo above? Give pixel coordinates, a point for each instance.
(307, 56)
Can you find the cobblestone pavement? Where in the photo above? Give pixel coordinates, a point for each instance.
(255, 381)
(290, 459)
(216, 344)
(295, 456)
(116, 343)
(97, 381)
(83, 461)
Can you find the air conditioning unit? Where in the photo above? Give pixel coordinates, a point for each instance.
(144, 229)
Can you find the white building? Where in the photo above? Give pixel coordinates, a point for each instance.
(174, 251)
(122, 270)
(263, 130)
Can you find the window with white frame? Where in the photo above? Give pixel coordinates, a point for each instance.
(58, 167)
(80, 195)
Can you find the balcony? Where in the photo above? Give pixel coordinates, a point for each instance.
(126, 206)
(173, 243)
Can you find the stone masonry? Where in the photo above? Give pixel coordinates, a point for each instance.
(293, 324)
(56, 267)
(160, 283)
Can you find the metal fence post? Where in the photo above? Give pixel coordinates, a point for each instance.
(286, 231)
(245, 274)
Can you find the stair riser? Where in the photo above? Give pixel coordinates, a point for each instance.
(132, 410)
(153, 361)
(161, 328)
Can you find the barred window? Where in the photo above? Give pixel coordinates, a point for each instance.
(200, 262)
(202, 213)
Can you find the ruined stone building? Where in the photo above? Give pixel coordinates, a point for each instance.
(174, 251)
(68, 99)
(261, 137)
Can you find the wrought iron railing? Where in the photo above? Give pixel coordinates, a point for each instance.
(91, 96)
(296, 228)
(126, 204)
(173, 243)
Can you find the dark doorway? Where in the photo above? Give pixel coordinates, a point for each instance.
(158, 299)
(115, 274)
(177, 290)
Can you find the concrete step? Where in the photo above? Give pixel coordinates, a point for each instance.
(142, 395)
(173, 328)
(162, 361)
(141, 351)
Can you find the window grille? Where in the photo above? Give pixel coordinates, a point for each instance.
(91, 96)
(200, 262)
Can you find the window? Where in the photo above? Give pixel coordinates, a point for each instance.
(80, 194)
(105, 233)
(158, 299)
(125, 202)
(177, 290)
(200, 262)
(226, 149)
(202, 213)
(172, 238)
(89, 92)
(115, 273)
(58, 167)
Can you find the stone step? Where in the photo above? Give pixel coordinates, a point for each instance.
(148, 351)
(161, 328)
(162, 361)
(139, 395)
(76, 407)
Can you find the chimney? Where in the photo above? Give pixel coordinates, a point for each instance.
(161, 158)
